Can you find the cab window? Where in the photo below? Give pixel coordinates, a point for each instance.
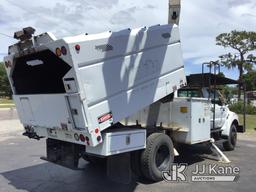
(219, 99)
(189, 93)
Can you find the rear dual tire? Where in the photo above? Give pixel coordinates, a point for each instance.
(156, 158)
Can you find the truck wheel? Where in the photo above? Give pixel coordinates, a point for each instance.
(157, 157)
(230, 144)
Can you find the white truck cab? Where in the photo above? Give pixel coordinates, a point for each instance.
(224, 123)
(221, 108)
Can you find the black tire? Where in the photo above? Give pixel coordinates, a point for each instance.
(230, 144)
(157, 157)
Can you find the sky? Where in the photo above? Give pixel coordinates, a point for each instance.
(201, 21)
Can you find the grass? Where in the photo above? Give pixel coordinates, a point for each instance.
(250, 121)
(6, 103)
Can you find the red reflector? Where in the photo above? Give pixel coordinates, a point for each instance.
(82, 138)
(97, 130)
(63, 50)
(77, 47)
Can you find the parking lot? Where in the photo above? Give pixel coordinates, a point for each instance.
(22, 170)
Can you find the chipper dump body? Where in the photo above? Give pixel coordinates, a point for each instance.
(72, 89)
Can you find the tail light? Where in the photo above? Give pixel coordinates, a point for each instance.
(82, 138)
(77, 47)
(63, 50)
(58, 51)
(76, 136)
(97, 130)
(99, 138)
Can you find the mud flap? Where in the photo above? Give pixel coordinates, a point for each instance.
(119, 168)
(63, 153)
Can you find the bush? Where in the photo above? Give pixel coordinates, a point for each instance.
(5, 89)
(239, 107)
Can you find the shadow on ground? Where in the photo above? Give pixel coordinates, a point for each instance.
(193, 154)
(50, 177)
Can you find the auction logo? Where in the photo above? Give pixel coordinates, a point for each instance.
(202, 173)
(177, 173)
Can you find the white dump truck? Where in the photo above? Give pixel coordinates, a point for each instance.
(112, 93)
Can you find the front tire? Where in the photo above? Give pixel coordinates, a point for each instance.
(157, 157)
(230, 144)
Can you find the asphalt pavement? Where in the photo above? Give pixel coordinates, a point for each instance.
(21, 168)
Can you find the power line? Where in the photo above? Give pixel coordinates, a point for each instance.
(6, 35)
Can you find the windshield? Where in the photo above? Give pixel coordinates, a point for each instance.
(219, 98)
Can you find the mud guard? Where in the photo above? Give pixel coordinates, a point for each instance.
(63, 153)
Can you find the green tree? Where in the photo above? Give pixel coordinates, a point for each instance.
(250, 80)
(242, 43)
(5, 89)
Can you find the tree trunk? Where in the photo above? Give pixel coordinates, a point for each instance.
(240, 82)
(241, 71)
